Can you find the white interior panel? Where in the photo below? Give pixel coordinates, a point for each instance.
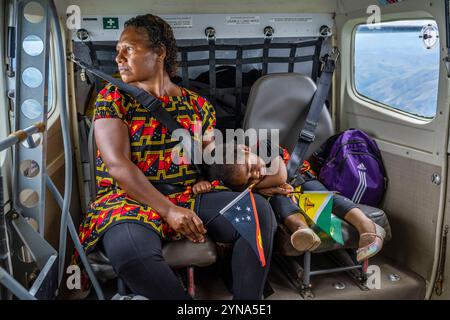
(227, 26)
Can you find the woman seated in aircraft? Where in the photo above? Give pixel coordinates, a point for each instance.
(253, 170)
(134, 213)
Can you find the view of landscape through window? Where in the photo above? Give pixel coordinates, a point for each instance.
(394, 67)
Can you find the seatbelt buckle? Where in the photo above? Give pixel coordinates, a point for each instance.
(307, 136)
(335, 54)
(329, 60)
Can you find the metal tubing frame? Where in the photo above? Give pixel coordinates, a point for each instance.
(15, 137)
(65, 127)
(15, 287)
(307, 273)
(74, 235)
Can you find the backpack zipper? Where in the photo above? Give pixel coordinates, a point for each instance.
(347, 143)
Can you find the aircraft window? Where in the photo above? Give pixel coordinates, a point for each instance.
(29, 198)
(32, 77)
(34, 12)
(35, 140)
(29, 168)
(33, 45)
(31, 108)
(397, 65)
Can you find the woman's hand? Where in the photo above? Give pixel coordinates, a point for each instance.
(284, 189)
(271, 191)
(290, 189)
(201, 187)
(186, 222)
(287, 187)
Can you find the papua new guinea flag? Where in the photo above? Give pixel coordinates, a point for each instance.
(242, 214)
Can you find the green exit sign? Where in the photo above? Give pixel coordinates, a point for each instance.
(111, 23)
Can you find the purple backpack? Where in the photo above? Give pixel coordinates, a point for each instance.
(351, 164)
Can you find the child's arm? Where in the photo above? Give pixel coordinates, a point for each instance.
(201, 186)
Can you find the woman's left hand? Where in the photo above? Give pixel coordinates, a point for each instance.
(290, 189)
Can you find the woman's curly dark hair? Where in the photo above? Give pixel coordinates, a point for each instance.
(159, 33)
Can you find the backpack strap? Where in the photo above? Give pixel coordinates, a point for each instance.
(307, 136)
(153, 105)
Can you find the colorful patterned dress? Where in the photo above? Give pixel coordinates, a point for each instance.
(151, 151)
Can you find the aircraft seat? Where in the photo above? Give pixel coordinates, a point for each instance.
(178, 254)
(281, 101)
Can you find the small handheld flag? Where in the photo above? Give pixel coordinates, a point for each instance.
(336, 229)
(242, 214)
(318, 206)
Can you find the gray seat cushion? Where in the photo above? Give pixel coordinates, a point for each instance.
(185, 253)
(178, 254)
(349, 234)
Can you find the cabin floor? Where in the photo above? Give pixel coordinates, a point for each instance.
(210, 284)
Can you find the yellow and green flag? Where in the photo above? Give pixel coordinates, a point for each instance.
(317, 206)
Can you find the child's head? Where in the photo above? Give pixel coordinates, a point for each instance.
(244, 169)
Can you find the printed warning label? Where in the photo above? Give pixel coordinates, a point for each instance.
(240, 20)
(179, 22)
(290, 19)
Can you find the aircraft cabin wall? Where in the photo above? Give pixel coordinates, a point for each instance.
(415, 148)
(413, 144)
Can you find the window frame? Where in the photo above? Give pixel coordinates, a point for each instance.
(410, 117)
(51, 71)
(4, 103)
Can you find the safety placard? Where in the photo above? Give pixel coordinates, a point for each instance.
(242, 20)
(290, 19)
(110, 23)
(179, 22)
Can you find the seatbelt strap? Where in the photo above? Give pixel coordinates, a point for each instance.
(152, 104)
(307, 136)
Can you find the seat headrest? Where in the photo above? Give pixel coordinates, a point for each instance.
(281, 101)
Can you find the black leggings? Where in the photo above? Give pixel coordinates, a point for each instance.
(135, 252)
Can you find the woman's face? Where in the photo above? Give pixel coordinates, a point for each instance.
(137, 62)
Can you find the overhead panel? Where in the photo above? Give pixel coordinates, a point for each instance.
(227, 26)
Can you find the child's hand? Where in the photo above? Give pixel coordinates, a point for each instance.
(201, 187)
